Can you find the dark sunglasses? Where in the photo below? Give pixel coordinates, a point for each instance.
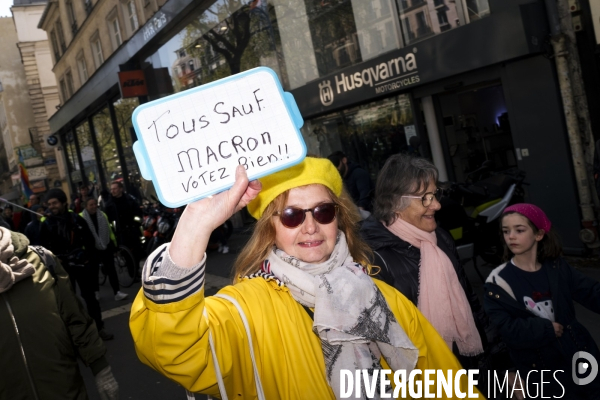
(292, 217)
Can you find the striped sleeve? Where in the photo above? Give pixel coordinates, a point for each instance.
(165, 282)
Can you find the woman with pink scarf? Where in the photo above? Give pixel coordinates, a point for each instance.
(419, 259)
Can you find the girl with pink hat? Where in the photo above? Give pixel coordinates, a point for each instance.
(530, 301)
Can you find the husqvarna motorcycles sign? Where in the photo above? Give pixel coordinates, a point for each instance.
(394, 74)
(391, 72)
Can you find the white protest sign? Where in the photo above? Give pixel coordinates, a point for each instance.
(191, 142)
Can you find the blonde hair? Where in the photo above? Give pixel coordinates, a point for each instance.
(263, 237)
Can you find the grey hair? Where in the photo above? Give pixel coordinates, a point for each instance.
(401, 175)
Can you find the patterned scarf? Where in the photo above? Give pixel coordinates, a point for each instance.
(102, 237)
(12, 269)
(351, 316)
(442, 299)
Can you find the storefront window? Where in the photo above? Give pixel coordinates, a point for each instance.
(107, 147)
(86, 147)
(138, 186)
(367, 134)
(476, 129)
(71, 156)
(230, 37)
(302, 40)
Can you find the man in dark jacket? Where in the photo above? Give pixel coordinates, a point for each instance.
(67, 235)
(79, 202)
(44, 329)
(27, 217)
(356, 180)
(125, 214)
(32, 230)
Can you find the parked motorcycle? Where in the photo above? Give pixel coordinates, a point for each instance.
(162, 222)
(151, 213)
(471, 211)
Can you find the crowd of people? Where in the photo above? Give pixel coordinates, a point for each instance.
(336, 276)
(45, 254)
(82, 237)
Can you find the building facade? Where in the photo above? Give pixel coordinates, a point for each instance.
(473, 79)
(17, 119)
(41, 88)
(85, 40)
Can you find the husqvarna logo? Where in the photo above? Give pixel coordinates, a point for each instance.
(326, 93)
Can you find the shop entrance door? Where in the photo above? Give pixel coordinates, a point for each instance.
(476, 129)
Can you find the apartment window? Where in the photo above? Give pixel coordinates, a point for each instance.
(115, 32)
(191, 65)
(131, 13)
(82, 67)
(182, 68)
(61, 36)
(442, 17)
(69, 82)
(181, 53)
(66, 86)
(63, 90)
(97, 52)
(55, 47)
(71, 15)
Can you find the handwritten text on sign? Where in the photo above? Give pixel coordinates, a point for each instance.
(195, 141)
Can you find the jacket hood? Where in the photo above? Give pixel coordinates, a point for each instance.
(20, 242)
(495, 279)
(378, 236)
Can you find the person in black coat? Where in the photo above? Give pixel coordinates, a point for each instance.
(32, 230)
(530, 300)
(356, 180)
(68, 236)
(406, 194)
(125, 214)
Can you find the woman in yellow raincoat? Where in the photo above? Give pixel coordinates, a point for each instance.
(303, 310)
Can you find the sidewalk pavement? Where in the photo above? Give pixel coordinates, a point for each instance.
(137, 381)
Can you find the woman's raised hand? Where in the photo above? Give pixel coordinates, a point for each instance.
(219, 208)
(201, 217)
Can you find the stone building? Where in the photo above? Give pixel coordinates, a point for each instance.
(45, 165)
(17, 121)
(88, 39)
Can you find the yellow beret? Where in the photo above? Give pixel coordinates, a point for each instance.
(311, 170)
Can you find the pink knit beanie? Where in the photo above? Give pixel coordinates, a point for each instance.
(533, 213)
